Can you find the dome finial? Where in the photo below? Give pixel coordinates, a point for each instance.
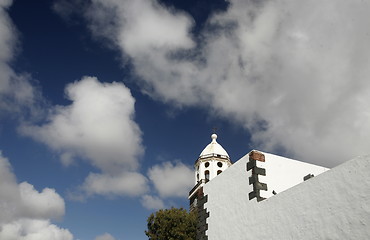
(213, 149)
(214, 137)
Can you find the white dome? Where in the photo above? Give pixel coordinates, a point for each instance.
(214, 149)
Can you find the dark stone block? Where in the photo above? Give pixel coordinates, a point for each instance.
(259, 171)
(260, 186)
(202, 225)
(202, 213)
(202, 201)
(251, 164)
(252, 195)
(253, 179)
(259, 199)
(308, 177)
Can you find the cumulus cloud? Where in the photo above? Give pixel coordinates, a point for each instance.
(294, 74)
(171, 180)
(157, 28)
(25, 212)
(34, 202)
(152, 202)
(23, 200)
(105, 236)
(97, 126)
(127, 183)
(32, 229)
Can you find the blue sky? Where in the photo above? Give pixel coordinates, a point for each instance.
(105, 105)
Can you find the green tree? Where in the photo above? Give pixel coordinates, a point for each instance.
(172, 224)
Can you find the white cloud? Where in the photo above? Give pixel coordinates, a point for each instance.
(294, 74)
(152, 202)
(22, 200)
(45, 204)
(105, 236)
(99, 127)
(171, 180)
(33, 229)
(157, 28)
(25, 212)
(127, 183)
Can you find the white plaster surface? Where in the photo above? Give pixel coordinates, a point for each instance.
(283, 173)
(333, 205)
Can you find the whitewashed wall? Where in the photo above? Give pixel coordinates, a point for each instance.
(283, 173)
(228, 196)
(333, 205)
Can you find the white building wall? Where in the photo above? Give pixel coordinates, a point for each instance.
(333, 205)
(227, 196)
(283, 173)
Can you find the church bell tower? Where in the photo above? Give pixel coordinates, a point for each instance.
(212, 161)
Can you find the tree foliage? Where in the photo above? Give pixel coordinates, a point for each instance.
(172, 224)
